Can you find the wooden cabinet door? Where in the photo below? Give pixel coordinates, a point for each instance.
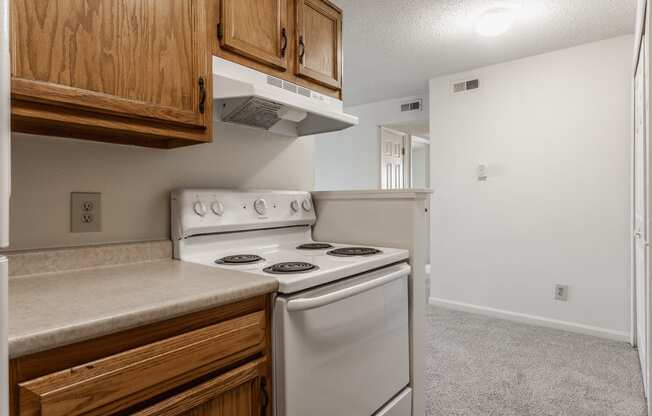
(255, 29)
(240, 392)
(136, 59)
(319, 42)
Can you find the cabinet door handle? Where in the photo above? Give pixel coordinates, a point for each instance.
(284, 44)
(302, 50)
(264, 397)
(202, 95)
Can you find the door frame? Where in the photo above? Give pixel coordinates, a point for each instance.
(407, 162)
(640, 32)
(416, 139)
(643, 21)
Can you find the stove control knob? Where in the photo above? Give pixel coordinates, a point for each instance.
(218, 208)
(307, 205)
(295, 206)
(200, 208)
(260, 206)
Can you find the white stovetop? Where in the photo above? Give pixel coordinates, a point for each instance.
(277, 246)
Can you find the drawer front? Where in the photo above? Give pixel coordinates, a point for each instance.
(114, 383)
(240, 392)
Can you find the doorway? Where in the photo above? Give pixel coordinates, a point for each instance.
(404, 155)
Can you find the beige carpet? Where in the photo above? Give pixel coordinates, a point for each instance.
(479, 366)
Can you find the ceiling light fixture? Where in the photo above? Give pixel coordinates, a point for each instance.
(494, 22)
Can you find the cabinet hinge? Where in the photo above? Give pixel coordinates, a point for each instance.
(220, 31)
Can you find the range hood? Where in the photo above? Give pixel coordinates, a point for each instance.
(250, 98)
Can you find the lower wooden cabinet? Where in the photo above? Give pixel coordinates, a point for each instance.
(214, 362)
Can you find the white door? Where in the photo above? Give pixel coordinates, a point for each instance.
(392, 145)
(641, 212)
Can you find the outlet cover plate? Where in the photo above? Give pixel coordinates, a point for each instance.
(85, 212)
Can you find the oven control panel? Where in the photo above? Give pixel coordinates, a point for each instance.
(207, 211)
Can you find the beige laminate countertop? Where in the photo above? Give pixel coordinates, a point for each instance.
(55, 309)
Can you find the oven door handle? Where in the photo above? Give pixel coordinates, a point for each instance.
(303, 304)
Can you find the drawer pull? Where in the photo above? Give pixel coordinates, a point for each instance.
(202, 95)
(302, 49)
(264, 397)
(284, 45)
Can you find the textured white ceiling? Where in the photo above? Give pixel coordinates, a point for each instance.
(393, 47)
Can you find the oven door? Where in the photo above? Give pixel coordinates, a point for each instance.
(343, 349)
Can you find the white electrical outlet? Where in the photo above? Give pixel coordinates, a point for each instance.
(561, 292)
(85, 212)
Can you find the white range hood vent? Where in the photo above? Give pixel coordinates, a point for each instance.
(250, 98)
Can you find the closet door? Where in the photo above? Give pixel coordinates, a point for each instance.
(392, 164)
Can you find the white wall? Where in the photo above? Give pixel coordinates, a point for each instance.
(135, 182)
(420, 155)
(555, 132)
(350, 159)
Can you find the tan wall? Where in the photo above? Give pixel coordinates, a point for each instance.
(135, 182)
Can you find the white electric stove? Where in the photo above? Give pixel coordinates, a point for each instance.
(340, 320)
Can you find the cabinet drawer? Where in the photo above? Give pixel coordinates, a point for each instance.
(117, 382)
(240, 392)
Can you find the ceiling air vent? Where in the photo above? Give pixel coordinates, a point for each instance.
(465, 86)
(412, 106)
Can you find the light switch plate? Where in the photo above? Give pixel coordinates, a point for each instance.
(483, 172)
(85, 212)
(561, 292)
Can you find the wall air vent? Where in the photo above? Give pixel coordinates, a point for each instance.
(274, 81)
(412, 106)
(288, 86)
(305, 92)
(293, 88)
(465, 86)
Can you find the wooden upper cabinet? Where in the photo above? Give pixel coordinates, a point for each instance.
(265, 35)
(319, 42)
(128, 66)
(256, 29)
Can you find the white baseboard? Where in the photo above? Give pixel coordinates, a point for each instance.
(532, 320)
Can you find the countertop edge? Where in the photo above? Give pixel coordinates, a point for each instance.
(411, 194)
(20, 346)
